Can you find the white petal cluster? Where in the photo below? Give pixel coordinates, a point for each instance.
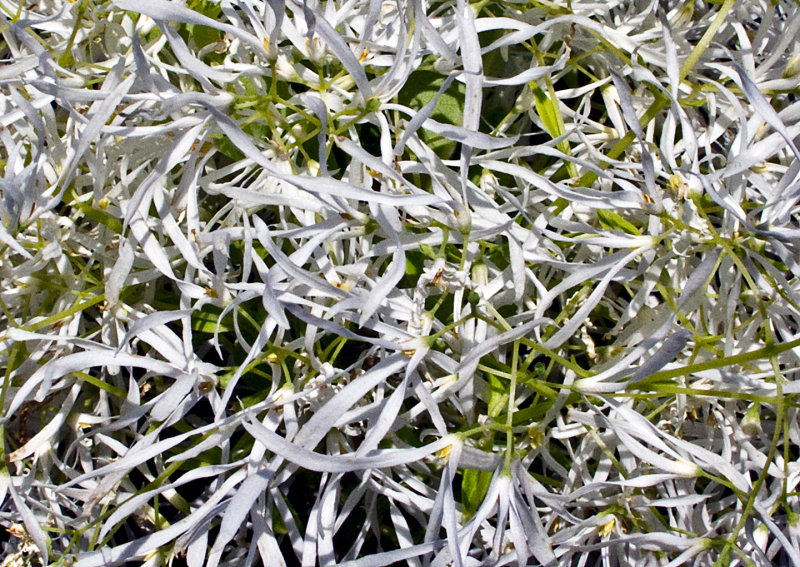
(376, 282)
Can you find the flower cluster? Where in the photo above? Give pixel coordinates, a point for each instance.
(380, 282)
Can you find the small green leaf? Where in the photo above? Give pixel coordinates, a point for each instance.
(420, 89)
(612, 221)
(226, 147)
(474, 486)
(498, 395)
(415, 263)
(546, 110)
(98, 215)
(428, 251)
(204, 322)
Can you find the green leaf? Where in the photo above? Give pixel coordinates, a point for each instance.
(474, 486)
(612, 221)
(419, 90)
(422, 86)
(498, 395)
(547, 111)
(428, 251)
(206, 322)
(415, 263)
(226, 147)
(98, 215)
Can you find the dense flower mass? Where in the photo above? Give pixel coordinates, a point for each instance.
(375, 282)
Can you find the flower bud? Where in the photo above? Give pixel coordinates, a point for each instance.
(462, 219)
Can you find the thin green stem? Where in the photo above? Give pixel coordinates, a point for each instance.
(512, 398)
(780, 409)
(741, 358)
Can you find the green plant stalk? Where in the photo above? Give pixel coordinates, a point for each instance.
(705, 41)
(762, 353)
(580, 372)
(790, 514)
(439, 303)
(66, 56)
(724, 482)
(504, 326)
(96, 382)
(606, 451)
(780, 409)
(657, 106)
(15, 351)
(77, 308)
(9, 318)
(331, 352)
(659, 390)
(539, 386)
(512, 396)
(431, 339)
(168, 471)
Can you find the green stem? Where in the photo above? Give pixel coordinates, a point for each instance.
(66, 56)
(780, 409)
(512, 396)
(762, 353)
(704, 42)
(77, 308)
